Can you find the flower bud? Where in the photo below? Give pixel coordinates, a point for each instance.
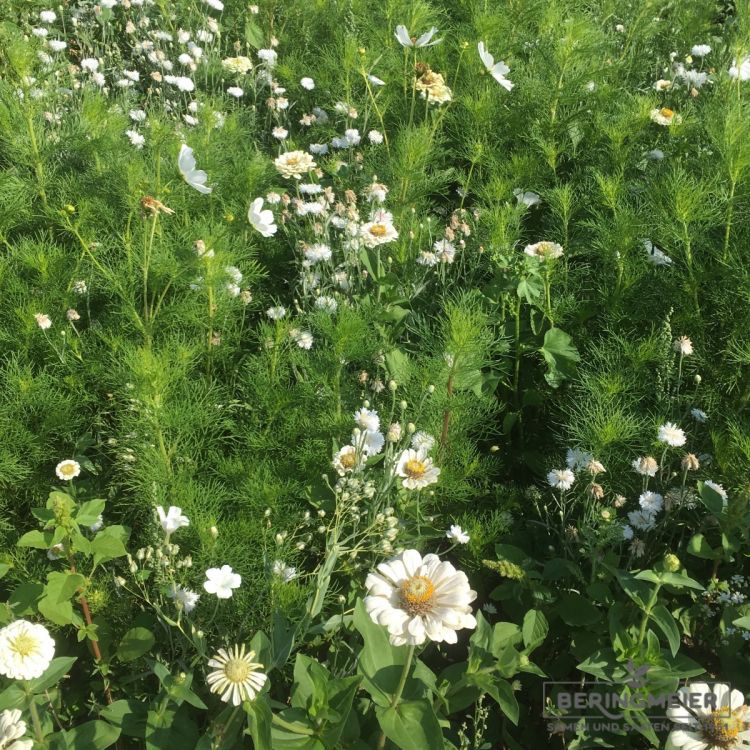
(214, 532)
(690, 462)
(672, 563)
(411, 428)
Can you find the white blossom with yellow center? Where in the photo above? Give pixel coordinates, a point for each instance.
(416, 469)
(419, 599)
(236, 677)
(294, 164)
(26, 650)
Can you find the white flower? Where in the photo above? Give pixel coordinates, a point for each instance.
(375, 81)
(303, 339)
(699, 415)
(172, 519)
(672, 435)
(40, 32)
(656, 154)
(578, 459)
(561, 479)
(26, 650)
(215, 4)
(183, 83)
(47, 16)
(68, 469)
(367, 419)
(236, 677)
(276, 313)
(268, 56)
(651, 502)
(280, 133)
(56, 45)
(709, 717)
(416, 469)
(43, 321)
(655, 256)
(294, 164)
(642, 519)
(347, 459)
(417, 599)
(527, 198)
(665, 116)
(328, 304)
(379, 230)
(683, 346)
(307, 83)
(11, 725)
(428, 259)
(496, 69)
(285, 572)
(700, 50)
(235, 91)
(137, 115)
(718, 489)
(422, 441)
(261, 219)
(318, 148)
(184, 598)
(627, 532)
(402, 35)
(544, 250)
(90, 64)
(135, 138)
(98, 524)
(741, 71)
(375, 137)
(221, 581)
(445, 251)
(239, 65)
(645, 466)
(196, 178)
(457, 534)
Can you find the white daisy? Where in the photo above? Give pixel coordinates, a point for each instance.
(457, 534)
(419, 599)
(26, 650)
(665, 116)
(561, 479)
(416, 469)
(672, 435)
(236, 676)
(222, 581)
(68, 469)
(379, 229)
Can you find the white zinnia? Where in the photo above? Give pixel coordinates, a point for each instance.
(418, 599)
(236, 677)
(261, 219)
(11, 729)
(173, 519)
(222, 581)
(672, 435)
(416, 469)
(561, 479)
(294, 164)
(26, 650)
(68, 469)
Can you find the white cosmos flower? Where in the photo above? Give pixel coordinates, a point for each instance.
(222, 581)
(196, 178)
(26, 650)
(561, 479)
(416, 469)
(457, 534)
(709, 717)
(173, 519)
(672, 435)
(261, 219)
(496, 69)
(418, 599)
(375, 81)
(12, 727)
(184, 598)
(68, 469)
(741, 71)
(236, 677)
(655, 256)
(402, 35)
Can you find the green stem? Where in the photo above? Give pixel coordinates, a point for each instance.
(399, 690)
(38, 732)
(730, 212)
(295, 728)
(647, 613)
(38, 168)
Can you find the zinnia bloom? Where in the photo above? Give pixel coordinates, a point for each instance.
(236, 676)
(544, 250)
(294, 164)
(665, 116)
(26, 650)
(11, 728)
(418, 599)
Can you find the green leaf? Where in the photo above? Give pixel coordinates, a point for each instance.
(398, 365)
(93, 735)
(663, 618)
(530, 288)
(36, 539)
(55, 605)
(576, 610)
(699, 547)
(128, 715)
(534, 629)
(412, 725)
(561, 356)
(743, 622)
(12, 697)
(25, 597)
(89, 512)
(56, 670)
(253, 33)
(680, 580)
(135, 643)
(711, 499)
(109, 544)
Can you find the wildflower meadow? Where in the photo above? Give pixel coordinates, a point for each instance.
(374, 375)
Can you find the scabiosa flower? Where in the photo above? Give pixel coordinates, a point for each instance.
(577, 459)
(268, 56)
(561, 479)
(458, 535)
(56, 45)
(672, 435)
(26, 650)
(418, 599)
(303, 339)
(172, 520)
(89, 64)
(317, 253)
(422, 441)
(375, 137)
(700, 50)
(445, 251)
(236, 92)
(651, 502)
(136, 139)
(222, 581)
(68, 469)
(294, 164)
(276, 313)
(699, 415)
(416, 469)
(627, 532)
(367, 419)
(683, 346)
(279, 133)
(544, 250)
(646, 466)
(326, 303)
(236, 677)
(642, 519)
(47, 16)
(183, 598)
(43, 321)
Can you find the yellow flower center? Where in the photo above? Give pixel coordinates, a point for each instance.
(721, 730)
(414, 468)
(379, 230)
(23, 644)
(666, 112)
(347, 460)
(237, 670)
(67, 470)
(416, 595)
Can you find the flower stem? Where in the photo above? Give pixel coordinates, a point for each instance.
(38, 731)
(399, 690)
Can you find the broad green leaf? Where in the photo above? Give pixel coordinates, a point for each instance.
(663, 618)
(699, 547)
(93, 735)
(743, 622)
(57, 669)
(534, 629)
(576, 610)
(561, 356)
(128, 715)
(412, 725)
(36, 539)
(109, 544)
(135, 643)
(711, 499)
(55, 605)
(89, 512)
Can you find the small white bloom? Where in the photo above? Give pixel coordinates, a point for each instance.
(527, 198)
(367, 419)
(642, 519)
(303, 339)
(496, 69)
(222, 581)
(683, 346)
(699, 415)
(280, 133)
(261, 219)
(457, 534)
(375, 81)
(172, 520)
(741, 71)
(422, 441)
(416, 469)
(136, 139)
(26, 650)
(137, 115)
(90, 64)
(43, 321)
(184, 598)
(47, 16)
(700, 50)
(67, 470)
(285, 572)
(235, 91)
(276, 313)
(196, 178)
(651, 502)
(12, 728)
(561, 479)
(375, 137)
(307, 83)
(718, 489)
(672, 435)
(655, 256)
(215, 4)
(268, 56)
(402, 35)
(645, 466)
(56, 45)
